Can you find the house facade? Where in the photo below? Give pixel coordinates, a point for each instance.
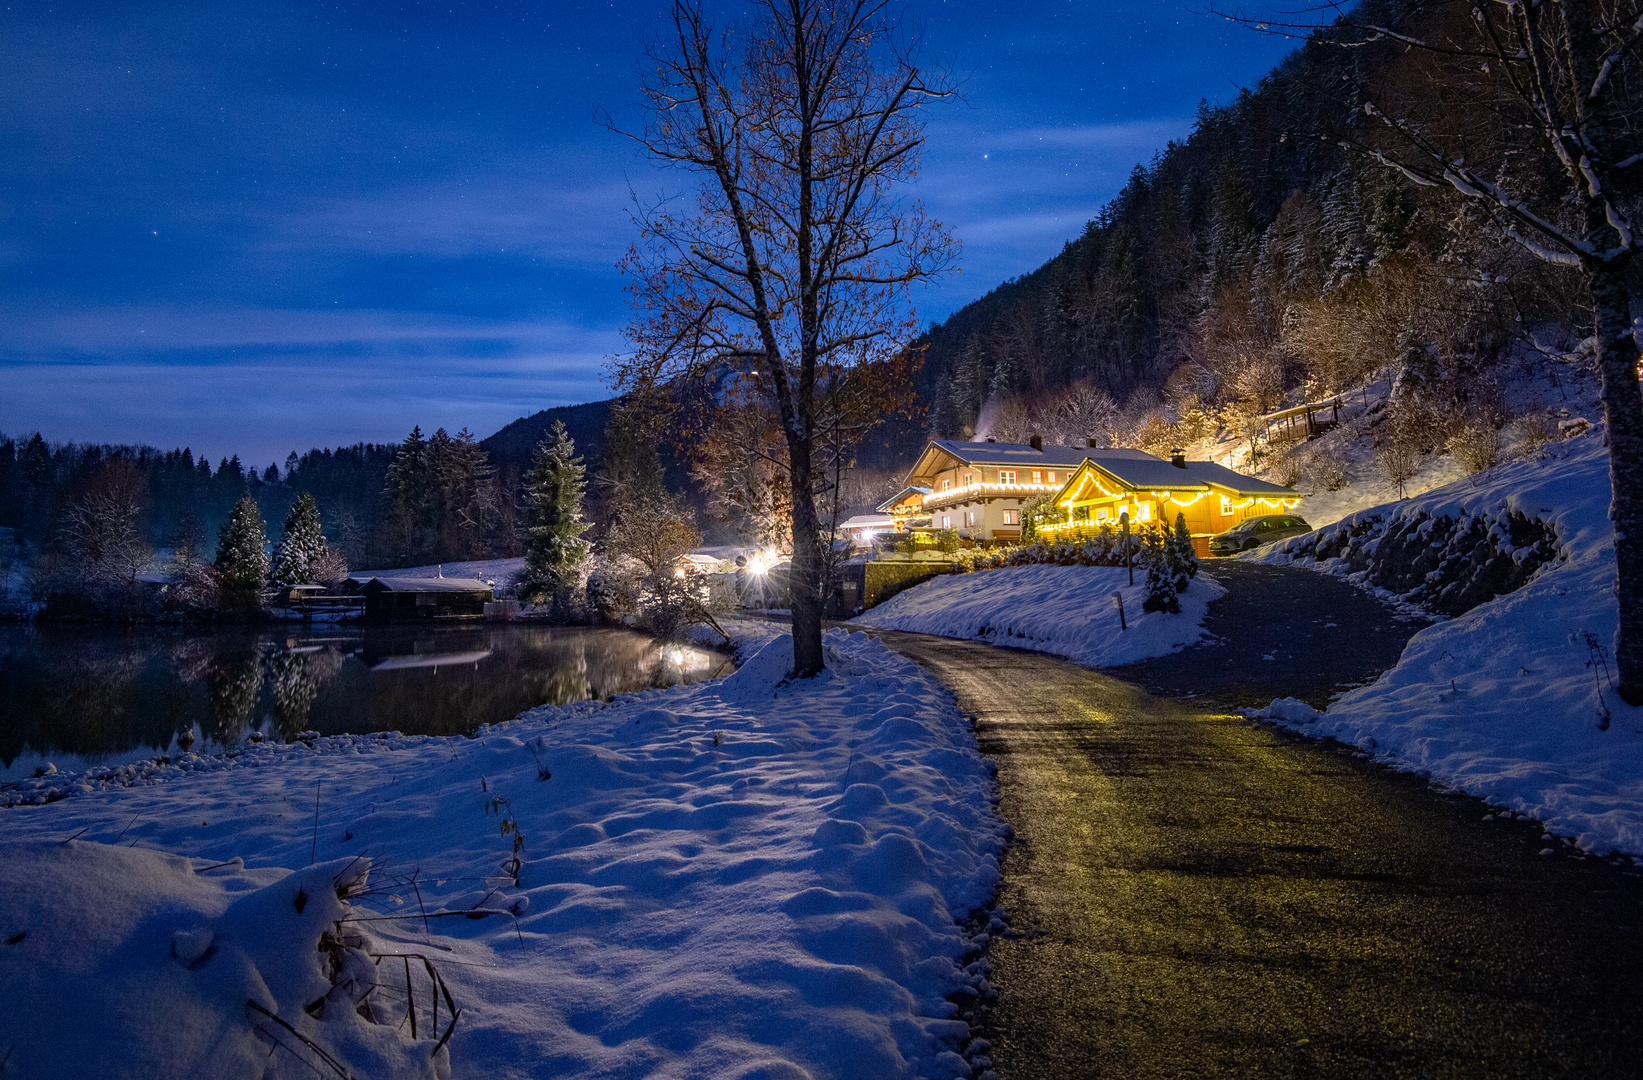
(1211, 497)
(977, 489)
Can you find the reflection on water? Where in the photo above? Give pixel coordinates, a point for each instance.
(77, 696)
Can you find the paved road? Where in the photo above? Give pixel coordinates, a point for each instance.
(1198, 896)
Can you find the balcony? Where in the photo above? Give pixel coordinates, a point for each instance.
(972, 492)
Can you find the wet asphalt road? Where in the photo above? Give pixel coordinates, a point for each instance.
(1195, 895)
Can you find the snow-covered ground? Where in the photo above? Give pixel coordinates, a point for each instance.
(1065, 610)
(1512, 701)
(743, 878)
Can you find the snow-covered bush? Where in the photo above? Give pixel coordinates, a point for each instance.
(1098, 545)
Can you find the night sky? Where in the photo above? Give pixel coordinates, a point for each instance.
(254, 227)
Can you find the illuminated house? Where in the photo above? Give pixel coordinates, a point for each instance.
(1150, 489)
(978, 488)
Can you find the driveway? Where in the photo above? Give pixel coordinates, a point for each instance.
(1195, 895)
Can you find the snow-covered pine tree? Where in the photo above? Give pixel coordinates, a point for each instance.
(1161, 592)
(302, 543)
(1185, 566)
(556, 556)
(242, 556)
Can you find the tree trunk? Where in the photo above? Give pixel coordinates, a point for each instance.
(805, 584)
(1617, 355)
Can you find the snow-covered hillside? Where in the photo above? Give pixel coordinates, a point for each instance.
(1512, 701)
(1065, 610)
(1337, 474)
(744, 878)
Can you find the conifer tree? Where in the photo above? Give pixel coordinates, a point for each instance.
(556, 556)
(302, 543)
(242, 556)
(405, 496)
(1161, 594)
(1185, 563)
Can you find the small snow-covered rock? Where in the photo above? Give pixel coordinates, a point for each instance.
(189, 945)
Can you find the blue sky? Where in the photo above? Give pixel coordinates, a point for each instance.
(257, 227)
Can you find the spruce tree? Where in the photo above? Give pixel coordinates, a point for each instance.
(405, 497)
(1185, 565)
(1161, 592)
(556, 556)
(302, 543)
(242, 557)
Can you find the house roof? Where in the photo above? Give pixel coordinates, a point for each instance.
(1156, 474)
(428, 585)
(867, 521)
(996, 453)
(912, 489)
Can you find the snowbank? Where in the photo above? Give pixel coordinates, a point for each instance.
(123, 962)
(1511, 701)
(744, 878)
(1065, 610)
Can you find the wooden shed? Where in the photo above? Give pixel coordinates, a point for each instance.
(396, 599)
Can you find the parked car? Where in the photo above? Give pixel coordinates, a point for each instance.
(1253, 532)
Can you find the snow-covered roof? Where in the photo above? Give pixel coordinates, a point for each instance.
(867, 521)
(997, 453)
(912, 489)
(442, 585)
(1156, 473)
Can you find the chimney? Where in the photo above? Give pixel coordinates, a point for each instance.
(1036, 442)
(1178, 458)
(1091, 441)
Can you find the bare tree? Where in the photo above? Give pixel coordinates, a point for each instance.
(1567, 74)
(795, 256)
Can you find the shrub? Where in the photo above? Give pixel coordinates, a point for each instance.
(1328, 468)
(1476, 445)
(1535, 430)
(1286, 467)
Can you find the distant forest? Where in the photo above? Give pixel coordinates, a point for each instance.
(1255, 261)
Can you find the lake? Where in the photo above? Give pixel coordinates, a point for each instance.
(95, 695)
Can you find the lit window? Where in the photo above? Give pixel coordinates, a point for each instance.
(946, 521)
(1006, 476)
(1049, 477)
(1101, 514)
(1012, 517)
(1226, 506)
(965, 480)
(946, 485)
(1143, 512)
(969, 519)
(1038, 476)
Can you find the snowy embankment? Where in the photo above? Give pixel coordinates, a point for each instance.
(1512, 700)
(1065, 610)
(742, 878)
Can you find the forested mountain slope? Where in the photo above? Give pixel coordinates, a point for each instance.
(1261, 257)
